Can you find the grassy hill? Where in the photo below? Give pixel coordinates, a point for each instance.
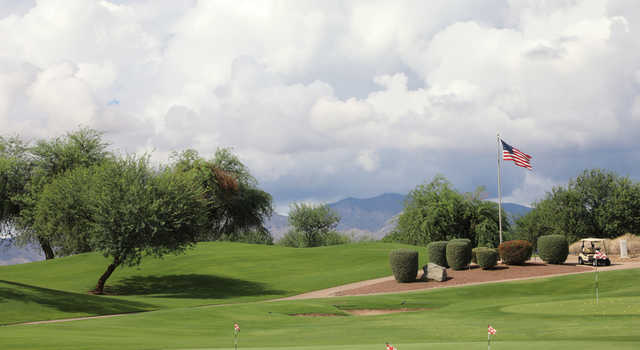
(552, 313)
(211, 273)
(198, 296)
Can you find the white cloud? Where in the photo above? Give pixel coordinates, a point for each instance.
(335, 98)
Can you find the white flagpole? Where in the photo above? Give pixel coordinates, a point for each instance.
(499, 190)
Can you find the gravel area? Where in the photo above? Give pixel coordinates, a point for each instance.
(475, 275)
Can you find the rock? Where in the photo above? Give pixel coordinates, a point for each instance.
(436, 272)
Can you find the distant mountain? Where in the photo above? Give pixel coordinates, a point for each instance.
(372, 217)
(10, 254)
(368, 214)
(515, 210)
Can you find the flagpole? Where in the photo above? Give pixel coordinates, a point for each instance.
(499, 191)
(488, 341)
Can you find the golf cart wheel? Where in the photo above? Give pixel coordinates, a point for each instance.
(607, 262)
(580, 261)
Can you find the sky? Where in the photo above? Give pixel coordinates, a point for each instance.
(324, 100)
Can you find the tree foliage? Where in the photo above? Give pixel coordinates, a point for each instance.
(38, 165)
(237, 209)
(312, 225)
(597, 203)
(435, 211)
(124, 209)
(14, 173)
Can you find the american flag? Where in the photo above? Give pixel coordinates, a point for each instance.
(600, 255)
(511, 153)
(236, 328)
(390, 347)
(492, 330)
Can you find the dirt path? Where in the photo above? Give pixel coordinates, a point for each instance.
(388, 285)
(473, 276)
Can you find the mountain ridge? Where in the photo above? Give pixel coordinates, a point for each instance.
(370, 217)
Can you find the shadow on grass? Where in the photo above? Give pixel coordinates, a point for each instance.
(66, 301)
(190, 286)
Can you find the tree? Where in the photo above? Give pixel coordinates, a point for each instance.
(237, 208)
(312, 222)
(124, 209)
(436, 212)
(14, 173)
(138, 213)
(48, 160)
(597, 203)
(63, 213)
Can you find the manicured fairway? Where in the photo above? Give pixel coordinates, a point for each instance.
(551, 313)
(212, 273)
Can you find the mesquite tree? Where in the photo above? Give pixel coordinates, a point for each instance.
(47, 160)
(138, 212)
(124, 209)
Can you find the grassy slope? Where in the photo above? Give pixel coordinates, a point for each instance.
(552, 313)
(212, 273)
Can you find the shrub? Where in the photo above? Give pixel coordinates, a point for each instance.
(404, 264)
(458, 254)
(292, 239)
(335, 238)
(474, 259)
(438, 253)
(460, 240)
(487, 258)
(515, 252)
(553, 249)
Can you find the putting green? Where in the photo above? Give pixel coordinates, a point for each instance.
(480, 345)
(583, 307)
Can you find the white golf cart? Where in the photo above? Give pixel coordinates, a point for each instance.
(592, 252)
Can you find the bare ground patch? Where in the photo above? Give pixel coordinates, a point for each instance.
(373, 312)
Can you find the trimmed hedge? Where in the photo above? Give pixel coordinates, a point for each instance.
(404, 264)
(474, 258)
(438, 253)
(487, 258)
(460, 240)
(553, 249)
(458, 254)
(515, 252)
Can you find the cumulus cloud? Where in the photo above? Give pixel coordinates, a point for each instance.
(333, 99)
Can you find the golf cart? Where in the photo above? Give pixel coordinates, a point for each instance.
(592, 252)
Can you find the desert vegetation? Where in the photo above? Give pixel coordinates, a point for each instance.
(71, 195)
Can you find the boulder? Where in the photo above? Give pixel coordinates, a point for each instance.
(436, 272)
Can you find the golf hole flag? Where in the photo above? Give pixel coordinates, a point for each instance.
(390, 347)
(236, 335)
(511, 153)
(492, 331)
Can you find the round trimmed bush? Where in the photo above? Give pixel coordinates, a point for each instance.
(515, 252)
(553, 249)
(438, 253)
(474, 258)
(404, 264)
(487, 258)
(458, 254)
(461, 240)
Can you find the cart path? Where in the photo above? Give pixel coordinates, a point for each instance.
(335, 291)
(344, 289)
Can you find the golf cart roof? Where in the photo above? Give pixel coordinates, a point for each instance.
(592, 240)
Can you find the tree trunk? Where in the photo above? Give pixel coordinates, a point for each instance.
(46, 248)
(103, 279)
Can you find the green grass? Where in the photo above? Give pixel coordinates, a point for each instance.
(456, 318)
(211, 273)
(548, 313)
